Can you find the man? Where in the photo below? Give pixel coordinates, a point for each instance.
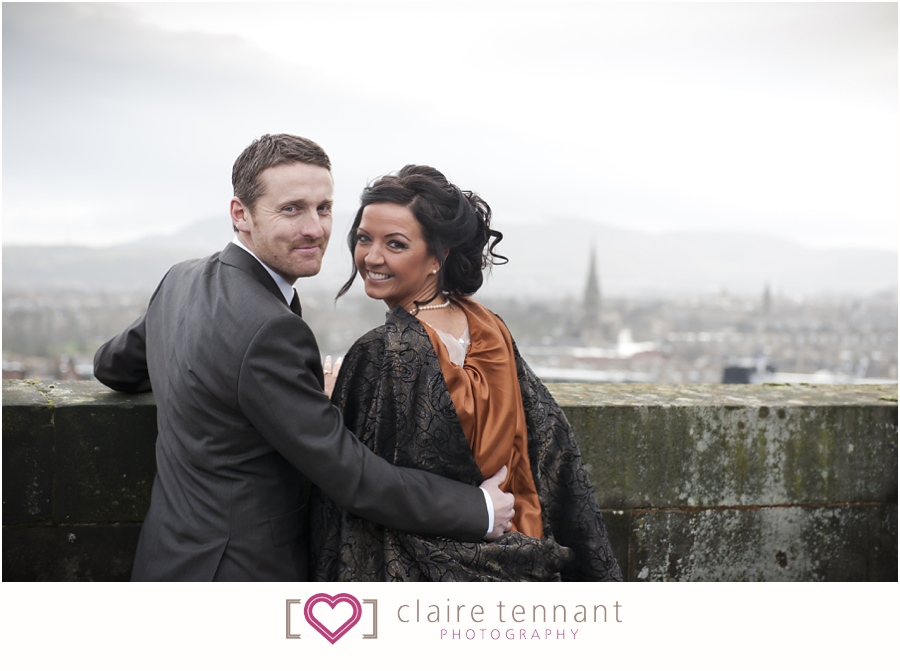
(243, 423)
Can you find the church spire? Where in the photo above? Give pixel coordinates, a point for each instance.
(591, 304)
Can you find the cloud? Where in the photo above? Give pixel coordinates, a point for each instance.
(120, 119)
(101, 109)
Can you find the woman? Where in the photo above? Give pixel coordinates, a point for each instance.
(441, 387)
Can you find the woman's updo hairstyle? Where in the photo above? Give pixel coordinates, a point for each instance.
(456, 226)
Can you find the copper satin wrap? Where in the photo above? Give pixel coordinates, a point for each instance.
(488, 401)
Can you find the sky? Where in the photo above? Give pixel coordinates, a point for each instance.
(123, 120)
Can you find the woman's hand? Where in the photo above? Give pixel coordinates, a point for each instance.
(331, 372)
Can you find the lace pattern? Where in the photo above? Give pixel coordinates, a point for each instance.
(394, 398)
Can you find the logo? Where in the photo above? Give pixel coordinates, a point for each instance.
(332, 601)
(329, 615)
(467, 615)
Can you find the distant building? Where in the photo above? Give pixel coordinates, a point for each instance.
(748, 370)
(590, 326)
(766, 302)
(13, 370)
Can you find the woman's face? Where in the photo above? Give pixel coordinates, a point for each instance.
(392, 257)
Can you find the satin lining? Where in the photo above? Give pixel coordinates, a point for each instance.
(488, 400)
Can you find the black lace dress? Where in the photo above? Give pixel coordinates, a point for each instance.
(393, 396)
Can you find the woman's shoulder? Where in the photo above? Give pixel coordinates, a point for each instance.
(371, 335)
(471, 305)
(397, 323)
(474, 305)
(485, 313)
(372, 340)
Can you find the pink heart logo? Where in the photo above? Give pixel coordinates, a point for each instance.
(332, 636)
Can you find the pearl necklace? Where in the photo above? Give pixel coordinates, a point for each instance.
(432, 307)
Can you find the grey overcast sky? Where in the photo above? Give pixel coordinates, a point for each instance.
(121, 120)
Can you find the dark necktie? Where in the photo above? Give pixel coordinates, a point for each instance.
(295, 305)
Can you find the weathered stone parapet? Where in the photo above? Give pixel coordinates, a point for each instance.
(706, 482)
(783, 543)
(744, 482)
(735, 445)
(76, 453)
(78, 465)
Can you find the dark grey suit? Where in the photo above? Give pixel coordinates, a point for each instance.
(243, 427)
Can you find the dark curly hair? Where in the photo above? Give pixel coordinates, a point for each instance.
(456, 226)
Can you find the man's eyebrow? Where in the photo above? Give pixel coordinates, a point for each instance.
(303, 201)
(293, 201)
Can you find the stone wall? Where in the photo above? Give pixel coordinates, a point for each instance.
(734, 482)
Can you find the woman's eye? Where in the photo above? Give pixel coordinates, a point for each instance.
(393, 244)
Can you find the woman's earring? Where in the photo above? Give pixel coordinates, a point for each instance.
(434, 272)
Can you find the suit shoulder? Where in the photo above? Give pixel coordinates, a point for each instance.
(190, 267)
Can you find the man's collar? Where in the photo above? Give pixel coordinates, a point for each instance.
(283, 286)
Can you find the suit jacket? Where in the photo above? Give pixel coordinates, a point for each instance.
(244, 426)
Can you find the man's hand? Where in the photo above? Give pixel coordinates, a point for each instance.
(331, 372)
(503, 504)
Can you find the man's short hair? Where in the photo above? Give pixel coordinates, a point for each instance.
(269, 151)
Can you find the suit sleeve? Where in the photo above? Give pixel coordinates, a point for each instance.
(280, 393)
(121, 363)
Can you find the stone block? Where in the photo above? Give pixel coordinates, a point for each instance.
(618, 527)
(69, 553)
(27, 454)
(792, 543)
(105, 454)
(735, 445)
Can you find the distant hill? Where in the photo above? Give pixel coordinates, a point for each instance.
(555, 257)
(545, 261)
(138, 265)
(207, 235)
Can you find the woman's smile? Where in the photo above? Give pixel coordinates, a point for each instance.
(393, 258)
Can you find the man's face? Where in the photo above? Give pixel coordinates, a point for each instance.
(290, 225)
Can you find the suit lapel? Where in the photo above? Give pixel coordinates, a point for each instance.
(234, 256)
